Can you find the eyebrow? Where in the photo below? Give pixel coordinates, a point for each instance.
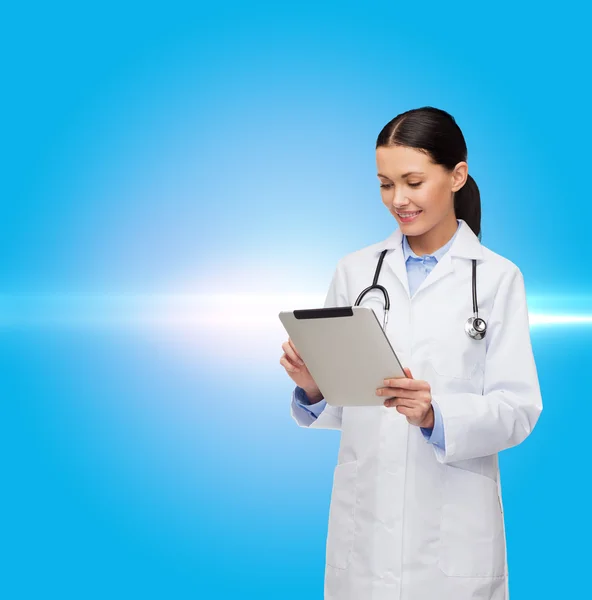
(404, 174)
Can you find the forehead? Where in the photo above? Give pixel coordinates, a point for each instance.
(394, 161)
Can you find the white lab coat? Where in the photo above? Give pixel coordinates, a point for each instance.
(408, 521)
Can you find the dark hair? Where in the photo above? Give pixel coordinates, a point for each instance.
(435, 132)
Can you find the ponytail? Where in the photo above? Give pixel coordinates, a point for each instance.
(467, 205)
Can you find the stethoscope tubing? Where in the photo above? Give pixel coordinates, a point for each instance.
(475, 327)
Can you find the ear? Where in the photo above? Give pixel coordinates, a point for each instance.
(460, 175)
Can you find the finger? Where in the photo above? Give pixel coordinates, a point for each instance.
(407, 371)
(401, 407)
(407, 384)
(291, 352)
(299, 357)
(410, 413)
(417, 398)
(421, 403)
(402, 392)
(408, 402)
(411, 395)
(399, 402)
(285, 362)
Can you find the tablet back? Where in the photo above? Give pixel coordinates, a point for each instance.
(346, 352)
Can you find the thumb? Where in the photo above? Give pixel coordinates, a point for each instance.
(408, 372)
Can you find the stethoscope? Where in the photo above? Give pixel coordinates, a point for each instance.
(475, 327)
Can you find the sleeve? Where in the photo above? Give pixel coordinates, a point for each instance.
(506, 412)
(305, 414)
(435, 435)
(302, 400)
(329, 417)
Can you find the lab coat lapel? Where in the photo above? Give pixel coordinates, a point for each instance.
(444, 267)
(394, 259)
(465, 245)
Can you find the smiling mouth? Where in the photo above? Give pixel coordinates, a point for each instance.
(408, 216)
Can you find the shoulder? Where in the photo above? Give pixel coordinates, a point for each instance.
(361, 256)
(500, 264)
(505, 274)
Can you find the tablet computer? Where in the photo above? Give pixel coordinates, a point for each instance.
(346, 351)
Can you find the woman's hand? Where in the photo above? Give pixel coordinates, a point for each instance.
(413, 399)
(297, 370)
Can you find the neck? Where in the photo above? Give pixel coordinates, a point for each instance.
(435, 238)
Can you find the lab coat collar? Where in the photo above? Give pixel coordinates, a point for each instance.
(465, 244)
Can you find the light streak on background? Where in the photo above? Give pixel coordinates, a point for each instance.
(237, 313)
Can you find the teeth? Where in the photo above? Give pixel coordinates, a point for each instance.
(406, 215)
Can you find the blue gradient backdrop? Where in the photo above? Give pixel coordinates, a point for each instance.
(156, 154)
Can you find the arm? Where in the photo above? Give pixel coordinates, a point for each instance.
(322, 415)
(507, 411)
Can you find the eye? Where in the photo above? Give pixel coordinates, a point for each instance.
(386, 186)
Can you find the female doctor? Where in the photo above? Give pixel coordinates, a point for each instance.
(416, 508)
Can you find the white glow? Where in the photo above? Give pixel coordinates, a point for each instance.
(207, 313)
(547, 319)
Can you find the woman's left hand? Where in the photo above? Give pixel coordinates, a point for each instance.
(413, 399)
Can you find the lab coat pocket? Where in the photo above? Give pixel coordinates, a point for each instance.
(340, 535)
(447, 360)
(472, 540)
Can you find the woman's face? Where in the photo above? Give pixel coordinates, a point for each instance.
(417, 192)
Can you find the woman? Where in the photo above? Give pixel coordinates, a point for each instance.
(416, 508)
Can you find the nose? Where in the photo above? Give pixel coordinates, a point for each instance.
(399, 200)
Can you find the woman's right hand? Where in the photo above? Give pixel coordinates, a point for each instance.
(297, 370)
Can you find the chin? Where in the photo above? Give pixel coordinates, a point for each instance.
(417, 224)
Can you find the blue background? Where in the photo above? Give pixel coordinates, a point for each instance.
(164, 163)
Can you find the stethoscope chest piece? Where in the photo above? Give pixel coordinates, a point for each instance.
(476, 328)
